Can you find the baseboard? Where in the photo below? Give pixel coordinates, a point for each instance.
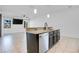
(69, 37)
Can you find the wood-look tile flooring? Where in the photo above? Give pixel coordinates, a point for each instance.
(66, 45)
(13, 43)
(17, 43)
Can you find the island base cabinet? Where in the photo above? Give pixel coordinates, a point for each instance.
(51, 41)
(54, 37)
(40, 43)
(32, 43)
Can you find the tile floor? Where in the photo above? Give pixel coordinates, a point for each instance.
(16, 43)
(66, 45)
(13, 43)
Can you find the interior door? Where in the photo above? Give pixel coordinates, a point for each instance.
(25, 24)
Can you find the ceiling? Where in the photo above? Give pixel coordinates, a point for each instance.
(41, 9)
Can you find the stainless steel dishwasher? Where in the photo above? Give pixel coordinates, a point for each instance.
(43, 42)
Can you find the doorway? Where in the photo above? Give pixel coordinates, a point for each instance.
(25, 24)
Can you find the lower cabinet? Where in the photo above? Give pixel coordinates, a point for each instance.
(37, 43)
(58, 35)
(54, 37)
(40, 43)
(32, 43)
(51, 41)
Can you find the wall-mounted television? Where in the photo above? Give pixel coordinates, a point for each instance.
(17, 21)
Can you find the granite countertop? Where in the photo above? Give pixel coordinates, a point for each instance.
(38, 31)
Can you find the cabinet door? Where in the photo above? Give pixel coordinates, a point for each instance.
(55, 37)
(43, 42)
(51, 41)
(32, 43)
(58, 35)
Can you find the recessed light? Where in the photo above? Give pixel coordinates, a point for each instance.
(48, 15)
(35, 11)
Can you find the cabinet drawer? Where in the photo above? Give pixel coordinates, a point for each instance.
(51, 33)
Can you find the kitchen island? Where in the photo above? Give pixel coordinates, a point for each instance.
(40, 40)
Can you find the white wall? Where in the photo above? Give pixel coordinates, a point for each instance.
(69, 21)
(66, 21)
(13, 12)
(14, 28)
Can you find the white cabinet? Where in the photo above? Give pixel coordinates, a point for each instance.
(43, 42)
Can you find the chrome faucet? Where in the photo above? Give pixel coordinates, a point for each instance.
(45, 25)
